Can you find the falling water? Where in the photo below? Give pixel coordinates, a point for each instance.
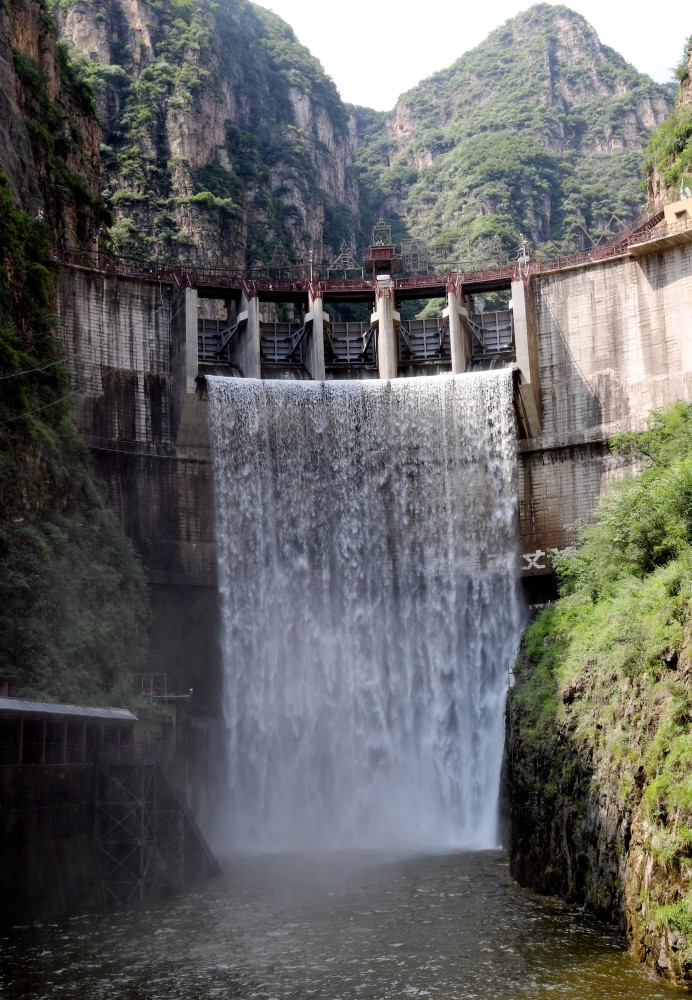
(366, 540)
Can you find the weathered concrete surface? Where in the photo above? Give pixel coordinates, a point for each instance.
(117, 333)
(456, 314)
(386, 319)
(128, 353)
(246, 346)
(314, 347)
(613, 344)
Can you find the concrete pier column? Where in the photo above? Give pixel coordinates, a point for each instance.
(231, 311)
(245, 353)
(191, 341)
(386, 319)
(314, 342)
(526, 346)
(184, 351)
(456, 315)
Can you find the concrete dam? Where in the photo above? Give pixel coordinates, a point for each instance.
(594, 345)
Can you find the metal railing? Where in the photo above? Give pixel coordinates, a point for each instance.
(647, 228)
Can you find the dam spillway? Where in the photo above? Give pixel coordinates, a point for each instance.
(366, 537)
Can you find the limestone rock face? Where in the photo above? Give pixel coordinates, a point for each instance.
(225, 143)
(87, 34)
(45, 125)
(685, 95)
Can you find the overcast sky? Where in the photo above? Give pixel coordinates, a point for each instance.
(374, 51)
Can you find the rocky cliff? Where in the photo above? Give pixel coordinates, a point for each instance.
(586, 824)
(224, 141)
(599, 724)
(669, 153)
(49, 136)
(73, 602)
(538, 131)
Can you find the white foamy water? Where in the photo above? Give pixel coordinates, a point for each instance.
(367, 559)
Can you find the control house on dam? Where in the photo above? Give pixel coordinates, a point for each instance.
(596, 342)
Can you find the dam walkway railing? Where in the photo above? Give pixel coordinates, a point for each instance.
(298, 280)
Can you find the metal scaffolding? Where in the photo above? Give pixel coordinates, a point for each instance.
(146, 837)
(126, 829)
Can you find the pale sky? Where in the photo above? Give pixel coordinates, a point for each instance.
(374, 51)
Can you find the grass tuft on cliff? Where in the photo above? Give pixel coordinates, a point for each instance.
(605, 675)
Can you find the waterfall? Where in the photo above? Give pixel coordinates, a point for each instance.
(367, 568)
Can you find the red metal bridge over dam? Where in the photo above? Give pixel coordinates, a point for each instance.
(292, 283)
(291, 321)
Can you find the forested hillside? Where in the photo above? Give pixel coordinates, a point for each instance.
(539, 131)
(225, 142)
(73, 602)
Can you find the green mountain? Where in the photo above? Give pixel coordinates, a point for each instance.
(224, 142)
(539, 131)
(669, 153)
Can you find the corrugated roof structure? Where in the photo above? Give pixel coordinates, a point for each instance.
(24, 706)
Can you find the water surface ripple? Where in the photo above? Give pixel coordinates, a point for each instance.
(336, 927)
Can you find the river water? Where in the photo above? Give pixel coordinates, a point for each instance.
(334, 927)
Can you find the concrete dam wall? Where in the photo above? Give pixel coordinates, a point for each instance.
(125, 341)
(613, 343)
(597, 348)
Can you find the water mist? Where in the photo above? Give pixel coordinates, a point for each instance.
(367, 554)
